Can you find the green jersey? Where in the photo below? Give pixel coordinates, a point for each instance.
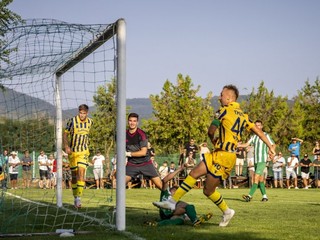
(164, 196)
(260, 148)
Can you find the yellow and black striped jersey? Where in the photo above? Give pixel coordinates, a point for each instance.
(232, 123)
(79, 132)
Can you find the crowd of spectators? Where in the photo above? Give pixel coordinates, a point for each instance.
(284, 171)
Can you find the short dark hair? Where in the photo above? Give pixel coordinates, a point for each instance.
(83, 107)
(135, 115)
(233, 88)
(258, 121)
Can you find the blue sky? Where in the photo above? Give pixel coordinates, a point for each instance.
(242, 42)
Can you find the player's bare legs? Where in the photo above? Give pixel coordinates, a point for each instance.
(157, 181)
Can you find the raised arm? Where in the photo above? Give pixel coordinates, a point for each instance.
(170, 176)
(298, 139)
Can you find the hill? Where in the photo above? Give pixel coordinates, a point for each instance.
(143, 106)
(16, 105)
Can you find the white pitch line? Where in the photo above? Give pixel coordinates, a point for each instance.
(126, 233)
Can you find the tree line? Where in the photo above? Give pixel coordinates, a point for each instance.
(179, 113)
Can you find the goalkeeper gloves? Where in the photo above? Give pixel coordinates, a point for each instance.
(128, 154)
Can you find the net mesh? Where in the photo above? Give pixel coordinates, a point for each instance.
(40, 47)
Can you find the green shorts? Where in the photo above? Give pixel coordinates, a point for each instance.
(259, 168)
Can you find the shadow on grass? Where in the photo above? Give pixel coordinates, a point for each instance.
(208, 230)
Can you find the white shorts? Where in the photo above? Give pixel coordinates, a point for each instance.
(97, 173)
(239, 162)
(305, 175)
(291, 173)
(250, 162)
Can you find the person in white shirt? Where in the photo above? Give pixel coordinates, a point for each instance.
(164, 170)
(203, 149)
(43, 170)
(98, 161)
(250, 164)
(52, 173)
(114, 171)
(291, 166)
(14, 163)
(190, 162)
(277, 167)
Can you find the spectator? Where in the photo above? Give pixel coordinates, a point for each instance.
(203, 149)
(174, 180)
(98, 161)
(266, 171)
(150, 150)
(26, 162)
(190, 162)
(191, 147)
(277, 168)
(14, 163)
(164, 170)
(151, 153)
(155, 164)
(182, 159)
(294, 147)
(43, 170)
(305, 164)
(52, 171)
(113, 171)
(250, 164)
(4, 165)
(291, 166)
(241, 154)
(66, 172)
(316, 150)
(316, 165)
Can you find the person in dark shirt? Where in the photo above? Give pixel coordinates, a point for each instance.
(191, 147)
(26, 162)
(305, 164)
(138, 159)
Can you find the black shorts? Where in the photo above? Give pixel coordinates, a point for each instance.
(44, 174)
(13, 176)
(146, 169)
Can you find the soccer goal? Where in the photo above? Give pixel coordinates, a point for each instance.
(53, 67)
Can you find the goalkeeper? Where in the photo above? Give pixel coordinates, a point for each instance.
(183, 210)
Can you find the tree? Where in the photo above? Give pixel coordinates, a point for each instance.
(308, 104)
(32, 134)
(278, 118)
(178, 115)
(104, 119)
(7, 17)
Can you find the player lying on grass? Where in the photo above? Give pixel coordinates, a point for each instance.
(183, 211)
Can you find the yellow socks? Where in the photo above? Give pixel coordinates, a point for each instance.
(74, 189)
(80, 186)
(218, 200)
(185, 187)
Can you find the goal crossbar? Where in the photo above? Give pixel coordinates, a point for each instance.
(86, 51)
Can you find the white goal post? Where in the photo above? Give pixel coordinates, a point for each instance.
(54, 66)
(121, 113)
